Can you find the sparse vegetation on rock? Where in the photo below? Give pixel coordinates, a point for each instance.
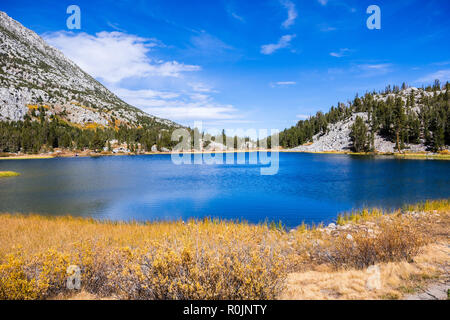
(397, 120)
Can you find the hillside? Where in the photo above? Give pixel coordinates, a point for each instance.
(411, 119)
(35, 76)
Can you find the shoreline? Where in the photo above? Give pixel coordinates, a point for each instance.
(397, 155)
(84, 154)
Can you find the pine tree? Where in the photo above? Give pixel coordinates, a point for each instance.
(358, 135)
(399, 121)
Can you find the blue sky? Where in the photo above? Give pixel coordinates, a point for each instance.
(246, 64)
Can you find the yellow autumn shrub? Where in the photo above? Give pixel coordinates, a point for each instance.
(38, 276)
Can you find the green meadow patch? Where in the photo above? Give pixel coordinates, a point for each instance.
(4, 174)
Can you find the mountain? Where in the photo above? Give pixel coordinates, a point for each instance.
(35, 76)
(396, 119)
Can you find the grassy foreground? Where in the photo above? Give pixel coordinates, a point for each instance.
(212, 259)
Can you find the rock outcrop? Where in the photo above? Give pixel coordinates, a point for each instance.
(337, 137)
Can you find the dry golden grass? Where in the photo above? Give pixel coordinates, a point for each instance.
(441, 155)
(396, 279)
(420, 156)
(212, 259)
(25, 157)
(194, 260)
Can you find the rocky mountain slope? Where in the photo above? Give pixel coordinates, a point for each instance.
(337, 136)
(35, 76)
(338, 139)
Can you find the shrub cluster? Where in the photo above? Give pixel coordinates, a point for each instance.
(398, 241)
(199, 260)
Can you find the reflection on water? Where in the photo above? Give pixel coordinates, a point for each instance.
(308, 187)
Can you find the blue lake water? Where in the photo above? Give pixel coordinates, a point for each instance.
(308, 187)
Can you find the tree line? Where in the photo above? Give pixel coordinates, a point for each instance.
(46, 134)
(38, 133)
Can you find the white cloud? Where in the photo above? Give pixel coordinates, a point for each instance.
(303, 116)
(178, 105)
(328, 29)
(192, 111)
(199, 97)
(292, 13)
(341, 53)
(442, 75)
(323, 2)
(201, 87)
(237, 17)
(369, 70)
(282, 43)
(380, 66)
(286, 39)
(114, 56)
(208, 46)
(115, 26)
(442, 63)
(232, 12)
(282, 83)
(172, 69)
(146, 94)
(206, 42)
(286, 83)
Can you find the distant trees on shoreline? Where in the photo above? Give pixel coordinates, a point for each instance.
(43, 135)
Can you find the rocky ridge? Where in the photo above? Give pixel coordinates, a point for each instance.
(34, 75)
